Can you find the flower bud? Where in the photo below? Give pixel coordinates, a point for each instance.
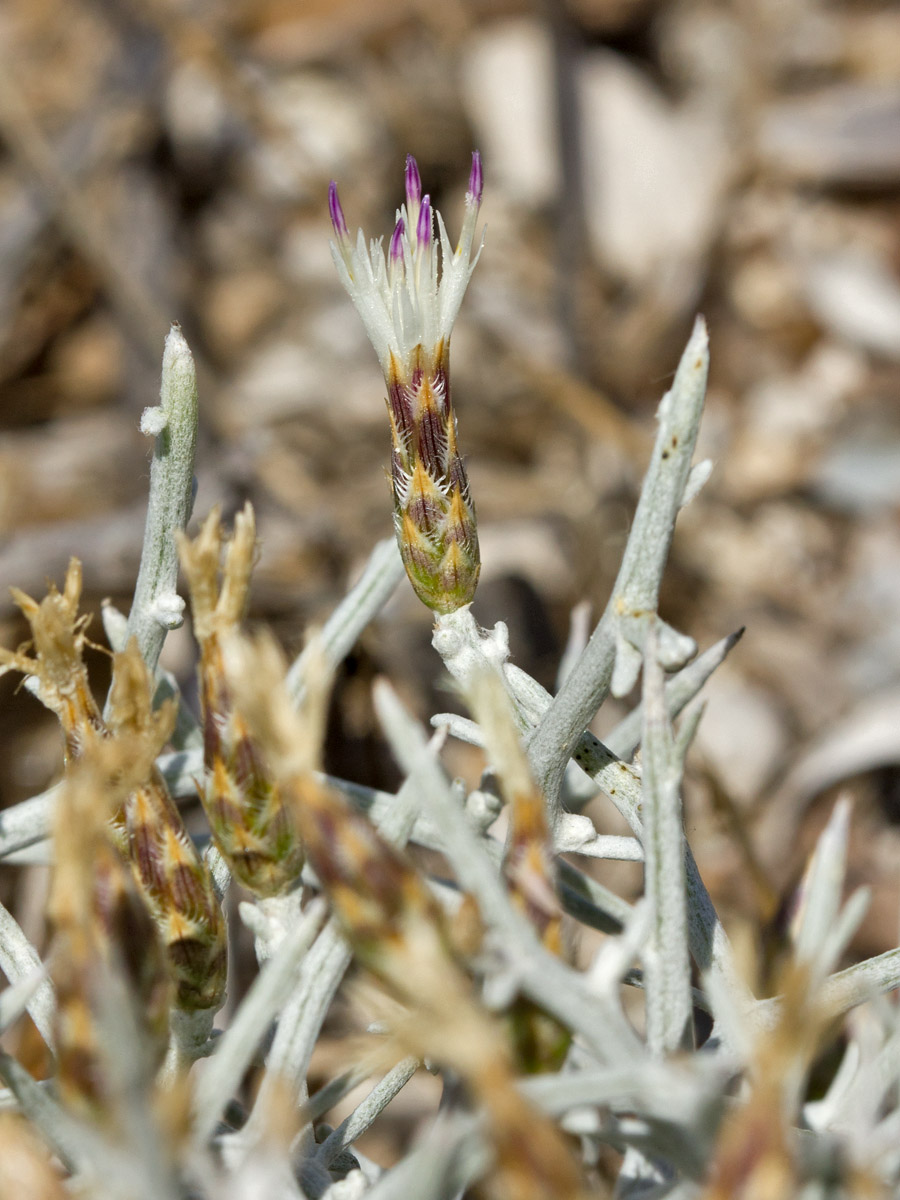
(408, 302)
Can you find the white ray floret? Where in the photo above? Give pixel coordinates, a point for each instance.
(410, 295)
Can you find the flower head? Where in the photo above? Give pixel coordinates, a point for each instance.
(247, 815)
(408, 299)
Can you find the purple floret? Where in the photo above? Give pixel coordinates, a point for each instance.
(337, 213)
(396, 247)
(413, 181)
(476, 178)
(423, 230)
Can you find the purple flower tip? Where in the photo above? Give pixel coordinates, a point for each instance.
(337, 213)
(423, 229)
(413, 181)
(396, 247)
(476, 178)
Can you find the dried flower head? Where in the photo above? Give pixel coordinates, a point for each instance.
(173, 877)
(57, 663)
(103, 928)
(408, 301)
(249, 822)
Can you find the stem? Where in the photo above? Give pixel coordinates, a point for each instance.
(367, 1112)
(366, 598)
(20, 960)
(612, 657)
(15, 999)
(157, 608)
(622, 783)
(234, 1051)
(270, 918)
(68, 1137)
(189, 1039)
(679, 690)
(667, 958)
(320, 976)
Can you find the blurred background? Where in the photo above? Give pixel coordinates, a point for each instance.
(644, 160)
